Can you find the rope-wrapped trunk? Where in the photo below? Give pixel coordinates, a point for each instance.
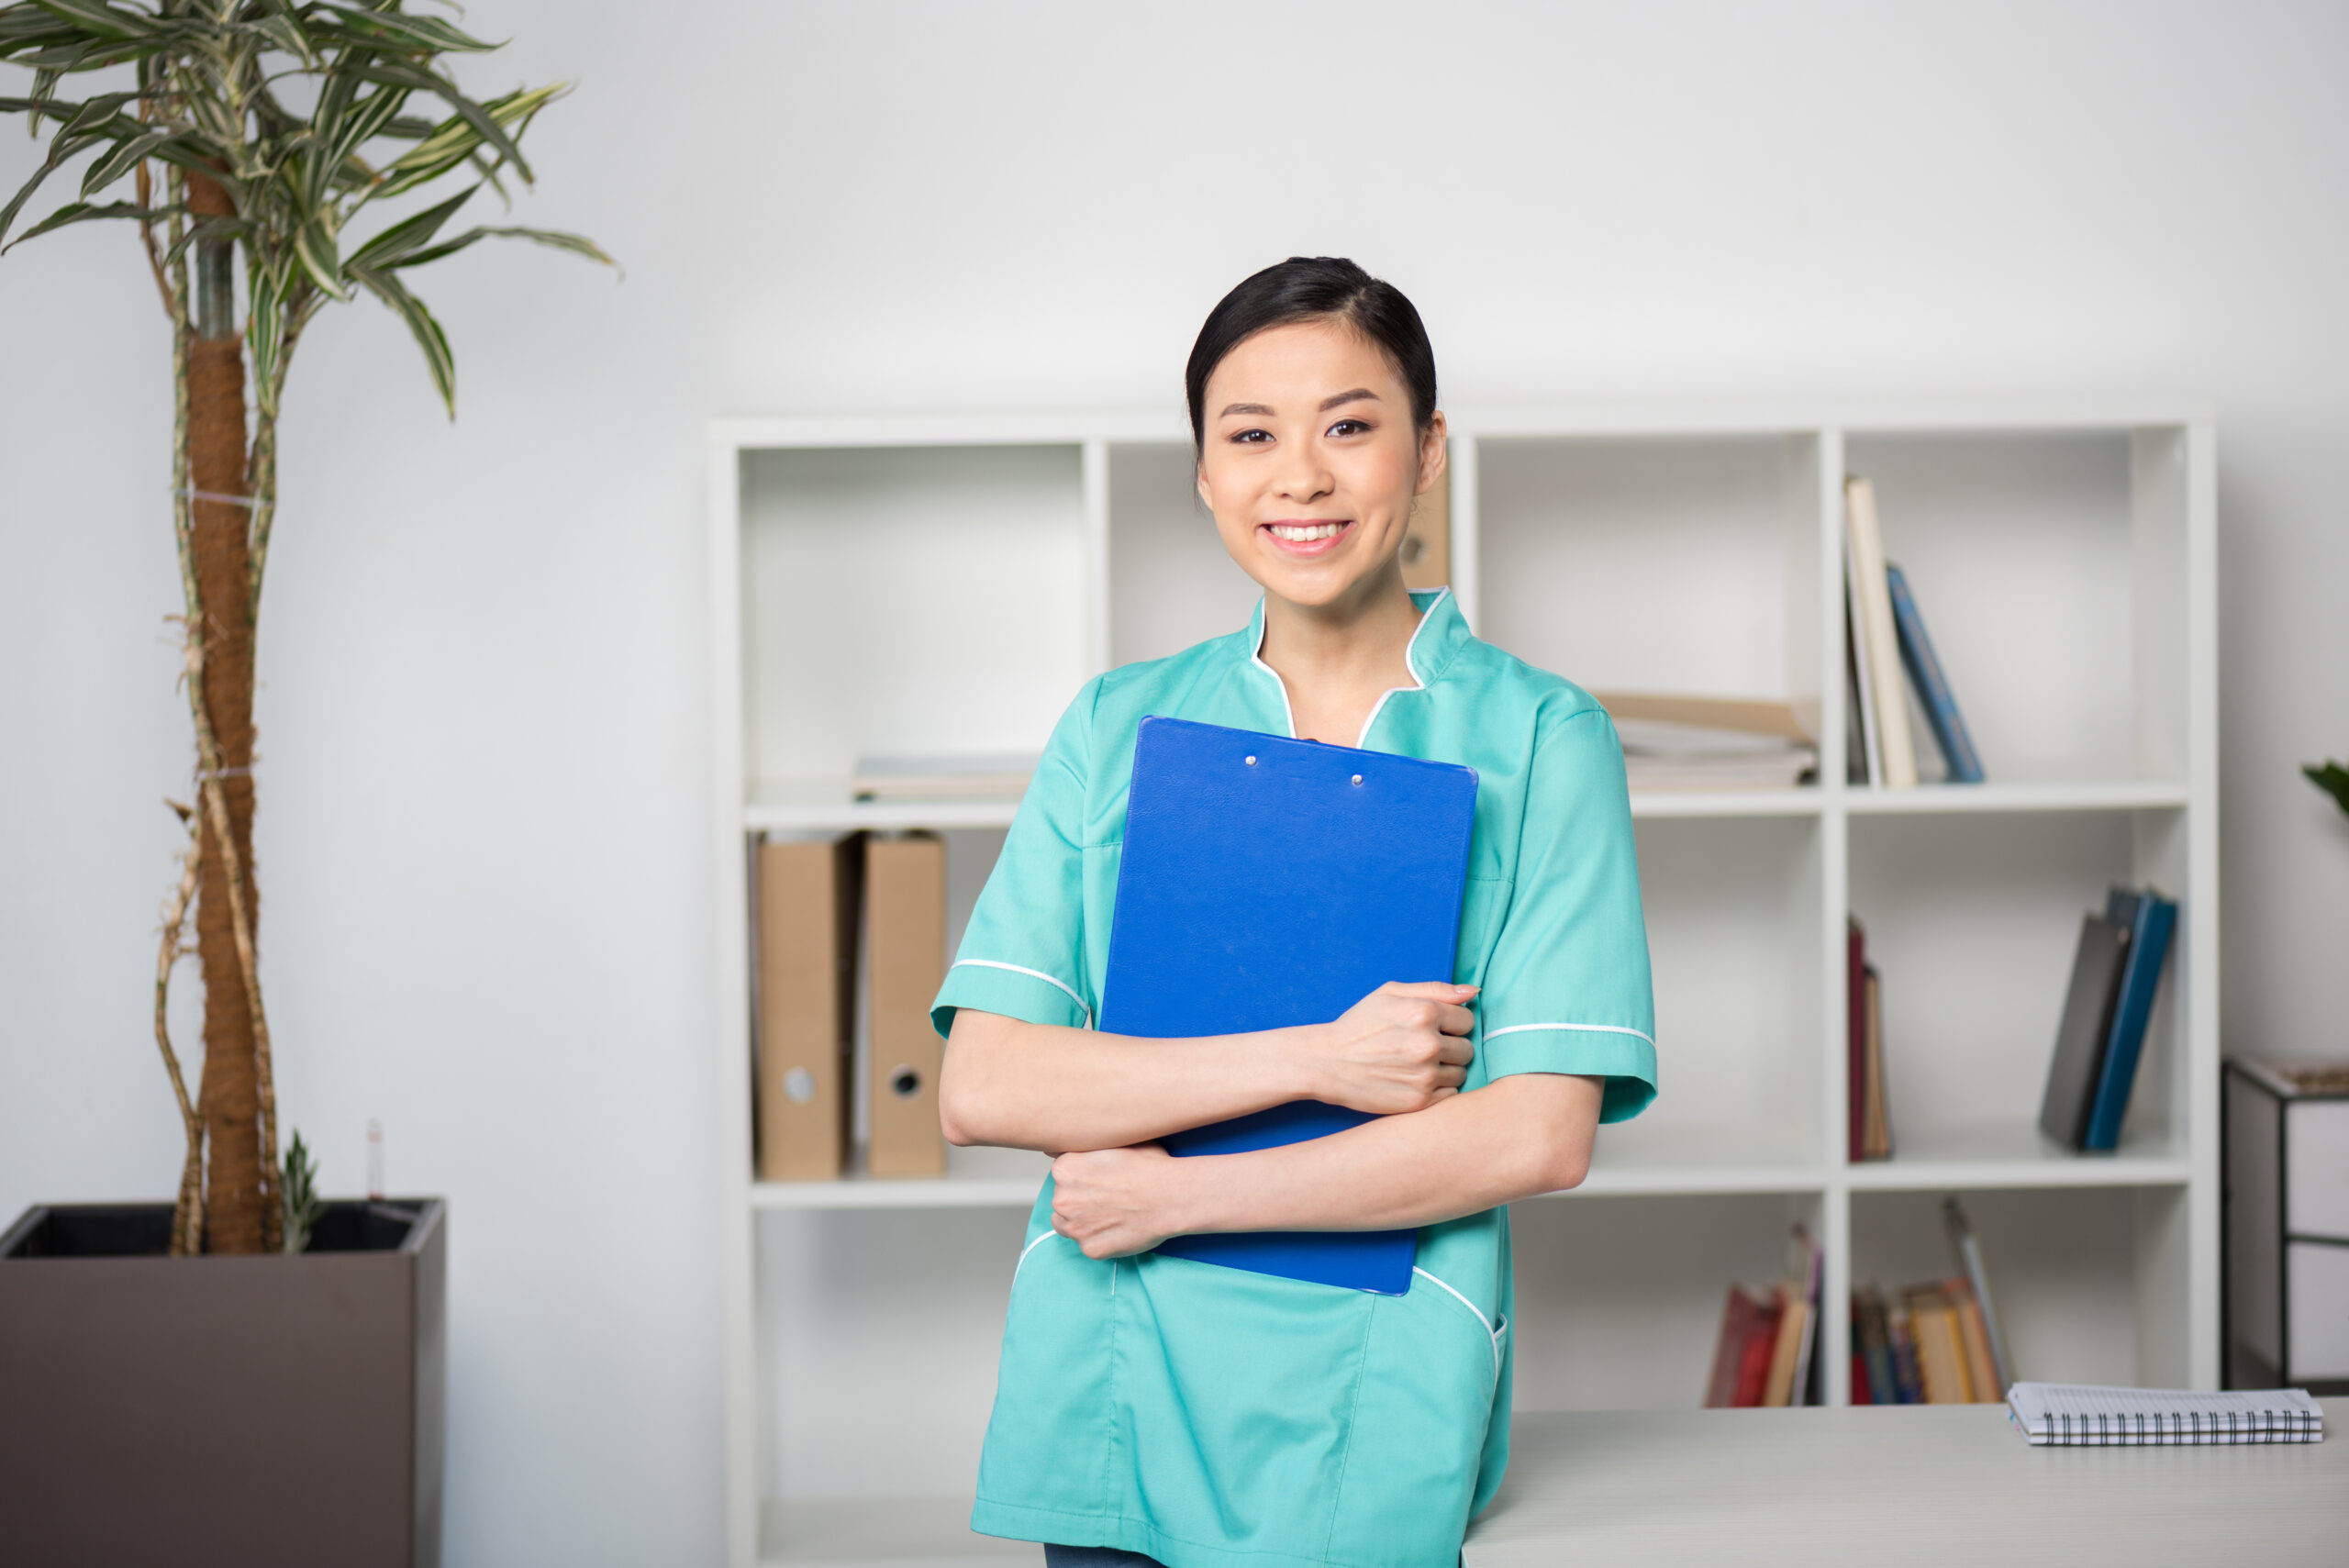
(240, 1179)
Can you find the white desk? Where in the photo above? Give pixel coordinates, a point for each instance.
(1894, 1486)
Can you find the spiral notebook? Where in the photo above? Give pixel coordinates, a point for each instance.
(2065, 1415)
(1266, 883)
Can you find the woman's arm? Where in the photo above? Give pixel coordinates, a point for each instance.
(1023, 1085)
(1525, 1134)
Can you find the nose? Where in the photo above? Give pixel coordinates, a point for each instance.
(1304, 477)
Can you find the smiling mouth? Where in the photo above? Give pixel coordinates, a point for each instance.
(1307, 536)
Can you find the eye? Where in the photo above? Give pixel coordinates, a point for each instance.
(1350, 428)
(1248, 438)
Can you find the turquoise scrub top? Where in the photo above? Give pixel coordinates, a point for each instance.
(1217, 1419)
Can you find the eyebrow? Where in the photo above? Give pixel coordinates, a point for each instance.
(1356, 396)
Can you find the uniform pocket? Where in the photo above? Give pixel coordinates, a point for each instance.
(1429, 1375)
(1046, 1440)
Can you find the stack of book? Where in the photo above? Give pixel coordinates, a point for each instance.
(1886, 641)
(2116, 972)
(1936, 1343)
(1766, 1353)
(1688, 743)
(1871, 1109)
(837, 914)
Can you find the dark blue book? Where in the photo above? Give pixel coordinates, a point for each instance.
(1268, 882)
(2150, 919)
(1925, 669)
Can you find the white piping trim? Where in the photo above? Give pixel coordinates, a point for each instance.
(1256, 657)
(1491, 1333)
(1588, 1029)
(1028, 1248)
(1411, 665)
(1031, 974)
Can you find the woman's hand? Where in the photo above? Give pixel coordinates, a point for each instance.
(1402, 1047)
(1114, 1202)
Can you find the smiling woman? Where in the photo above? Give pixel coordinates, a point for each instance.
(1210, 1416)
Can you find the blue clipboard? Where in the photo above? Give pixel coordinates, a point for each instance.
(1268, 882)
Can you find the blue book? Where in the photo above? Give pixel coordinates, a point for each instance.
(1925, 669)
(2149, 918)
(1268, 882)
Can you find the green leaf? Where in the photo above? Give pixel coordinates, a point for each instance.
(409, 32)
(429, 336)
(314, 248)
(264, 333)
(488, 126)
(386, 248)
(83, 212)
(126, 156)
(2332, 778)
(109, 22)
(455, 140)
(577, 244)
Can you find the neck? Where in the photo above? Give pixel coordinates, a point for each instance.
(1337, 660)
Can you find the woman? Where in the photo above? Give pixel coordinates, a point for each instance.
(1208, 1416)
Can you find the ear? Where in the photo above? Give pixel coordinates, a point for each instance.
(1200, 483)
(1435, 454)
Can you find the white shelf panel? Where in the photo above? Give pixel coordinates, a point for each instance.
(817, 810)
(1804, 801)
(1632, 1160)
(2119, 794)
(975, 1178)
(2014, 1154)
(874, 1532)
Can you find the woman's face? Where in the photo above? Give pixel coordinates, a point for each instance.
(1311, 463)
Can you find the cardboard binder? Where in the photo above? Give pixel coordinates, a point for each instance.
(1266, 883)
(905, 934)
(806, 1004)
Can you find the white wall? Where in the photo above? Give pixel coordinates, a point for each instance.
(485, 804)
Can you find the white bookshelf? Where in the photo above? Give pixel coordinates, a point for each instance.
(942, 585)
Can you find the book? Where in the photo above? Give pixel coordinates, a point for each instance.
(1981, 1376)
(1868, 757)
(2077, 1415)
(1908, 1377)
(1855, 975)
(1785, 1348)
(2151, 918)
(804, 1003)
(1760, 1348)
(1809, 1267)
(1941, 1352)
(1741, 1315)
(1694, 742)
(1958, 1226)
(1872, 1328)
(1880, 638)
(1876, 1126)
(1266, 883)
(2078, 1059)
(1924, 667)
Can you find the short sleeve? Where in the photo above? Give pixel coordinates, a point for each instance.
(1567, 989)
(1023, 953)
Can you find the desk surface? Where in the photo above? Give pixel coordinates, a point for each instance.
(1893, 1485)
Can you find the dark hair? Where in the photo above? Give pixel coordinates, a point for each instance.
(1312, 288)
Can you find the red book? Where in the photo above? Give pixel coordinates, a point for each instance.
(1728, 1352)
(1857, 1038)
(1754, 1362)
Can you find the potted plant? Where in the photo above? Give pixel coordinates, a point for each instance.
(243, 1372)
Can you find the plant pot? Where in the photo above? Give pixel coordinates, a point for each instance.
(246, 1410)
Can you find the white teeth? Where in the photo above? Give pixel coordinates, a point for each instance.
(1296, 535)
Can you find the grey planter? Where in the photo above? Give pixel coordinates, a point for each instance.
(191, 1411)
